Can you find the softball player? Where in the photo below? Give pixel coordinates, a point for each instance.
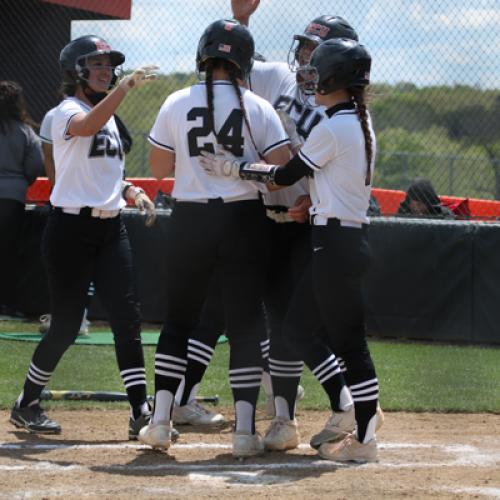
(338, 157)
(84, 237)
(289, 91)
(217, 225)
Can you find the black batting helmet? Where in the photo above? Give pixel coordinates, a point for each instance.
(340, 64)
(318, 30)
(229, 40)
(73, 56)
(326, 27)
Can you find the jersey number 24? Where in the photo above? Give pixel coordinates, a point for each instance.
(230, 135)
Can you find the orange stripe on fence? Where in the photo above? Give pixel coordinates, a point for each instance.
(388, 199)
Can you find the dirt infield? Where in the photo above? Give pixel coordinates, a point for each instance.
(421, 455)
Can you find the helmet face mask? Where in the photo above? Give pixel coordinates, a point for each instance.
(307, 79)
(227, 40)
(341, 64)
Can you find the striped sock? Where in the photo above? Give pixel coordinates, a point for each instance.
(199, 356)
(365, 396)
(36, 380)
(245, 384)
(330, 377)
(134, 380)
(169, 372)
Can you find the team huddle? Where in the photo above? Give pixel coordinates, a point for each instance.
(273, 168)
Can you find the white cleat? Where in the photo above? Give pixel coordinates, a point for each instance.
(282, 434)
(349, 450)
(247, 445)
(195, 414)
(155, 435)
(339, 425)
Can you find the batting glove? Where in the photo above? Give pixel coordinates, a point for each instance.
(291, 129)
(220, 164)
(142, 202)
(138, 78)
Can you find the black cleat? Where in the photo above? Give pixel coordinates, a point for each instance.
(33, 419)
(134, 426)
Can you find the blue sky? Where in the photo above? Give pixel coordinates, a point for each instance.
(426, 42)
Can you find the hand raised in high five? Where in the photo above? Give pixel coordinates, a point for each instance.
(243, 9)
(138, 78)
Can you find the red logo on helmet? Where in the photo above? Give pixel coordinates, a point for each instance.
(101, 45)
(318, 30)
(229, 26)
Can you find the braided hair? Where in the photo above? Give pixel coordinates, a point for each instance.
(233, 73)
(358, 95)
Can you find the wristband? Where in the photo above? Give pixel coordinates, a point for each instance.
(259, 172)
(125, 188)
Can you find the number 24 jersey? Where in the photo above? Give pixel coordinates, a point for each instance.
(183, 127)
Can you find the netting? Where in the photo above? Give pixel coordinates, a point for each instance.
(435, 96)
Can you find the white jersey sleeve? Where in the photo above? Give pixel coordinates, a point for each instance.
(162, 135)
(46, 127)
(61, 118)
(269, 134)
(271, 80)
(319, 148)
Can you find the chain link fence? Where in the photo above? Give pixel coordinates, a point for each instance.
(436, 76)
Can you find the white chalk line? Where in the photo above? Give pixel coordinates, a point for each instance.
(462, 456)
(179, 446)
(483, 490)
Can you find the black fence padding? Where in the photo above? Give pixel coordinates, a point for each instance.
(428, 279)
(486, 283)
(420, 281)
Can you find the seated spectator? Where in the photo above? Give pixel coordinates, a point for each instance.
(422, 201)
(20, 163)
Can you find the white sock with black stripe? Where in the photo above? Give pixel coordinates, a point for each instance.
(245, 384)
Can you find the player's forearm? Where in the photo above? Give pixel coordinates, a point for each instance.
(91, 122)
(285, 175)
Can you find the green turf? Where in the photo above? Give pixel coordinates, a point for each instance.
(412, 376)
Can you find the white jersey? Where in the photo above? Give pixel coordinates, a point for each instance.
(89, 170)
(45, 133)
(335, 150)
(182, 127)
(277, 84)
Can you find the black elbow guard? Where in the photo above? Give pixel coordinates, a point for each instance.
(259, 172)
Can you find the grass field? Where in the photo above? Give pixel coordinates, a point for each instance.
(413, 376)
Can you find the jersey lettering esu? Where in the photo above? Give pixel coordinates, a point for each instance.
(183, 127)
(277, 84)
(89, 170)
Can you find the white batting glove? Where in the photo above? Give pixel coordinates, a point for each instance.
(138, 78)
(221, 164)
(291, 129)
(145, 205)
